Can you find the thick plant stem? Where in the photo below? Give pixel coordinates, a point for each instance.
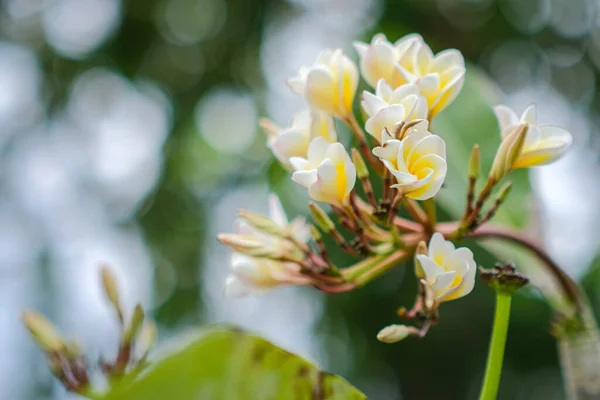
(493, 369)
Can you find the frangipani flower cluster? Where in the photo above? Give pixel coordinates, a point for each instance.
(397, 147)
(410, 60)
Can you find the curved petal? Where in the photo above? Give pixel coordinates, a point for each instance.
(300, 164)
(506, 117)
(443, 283)
(305, 178)
(317, 150)
(372, 104)
(348, 82)
(320, 89)
(234, 287)
(431, 144)
(530, 115)
(430, 268)
(438, 250)
(378, 62)
(276, 211)
(460, 260)
(386, 118)
(446, 59)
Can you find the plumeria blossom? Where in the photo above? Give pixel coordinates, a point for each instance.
(293, 141)
(330, 84)
(327, 172)
(439, 77)
(251, 274)
(543, 144)
(389, 107)
(449, 272)
(418, 162)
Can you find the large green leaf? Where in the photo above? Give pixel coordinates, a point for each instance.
(229, 364)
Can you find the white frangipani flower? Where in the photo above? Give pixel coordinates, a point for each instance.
(255, 274)
(440, 77)
(293, 141)
(449, 272)
(543, 144)
(389, 107)
(330, 84)
(418, 162)
(327, 172)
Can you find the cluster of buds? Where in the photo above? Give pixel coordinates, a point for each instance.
(396, 146)
(66, 359)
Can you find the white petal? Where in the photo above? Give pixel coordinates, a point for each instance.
(305, 178)
(438, 250)
(300, 164)
(506, 117)
(430, 268)
(443, 283)
(361, 48)
(372, 104)
(317, 150)
(386, 118)
(276, 211)
(431, 144)
(446, 59)
(320, 89)
(530, 115)
(460, 260)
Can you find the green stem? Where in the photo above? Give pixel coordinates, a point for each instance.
(493, 369)
(382, 267)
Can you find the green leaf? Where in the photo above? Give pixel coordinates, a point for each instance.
(224, 363)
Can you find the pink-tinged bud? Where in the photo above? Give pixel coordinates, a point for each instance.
(508, 153)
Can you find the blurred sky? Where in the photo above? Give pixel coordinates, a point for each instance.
(128, 136)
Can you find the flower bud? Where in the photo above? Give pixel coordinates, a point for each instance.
(137, 322)
(316, 235)
(43, 332)
(321, 218)
(508, 152)
(361, 169)
(393, 333)
(421, 249)
(474, 162)
(262, 223)
(148, 335)
(248, 245)
(109, 284)
(503, 192)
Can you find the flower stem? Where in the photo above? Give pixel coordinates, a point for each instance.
(493, 369)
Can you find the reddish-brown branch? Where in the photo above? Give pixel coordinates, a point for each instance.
(569, 286)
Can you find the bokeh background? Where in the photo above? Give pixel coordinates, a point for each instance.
(128, 136)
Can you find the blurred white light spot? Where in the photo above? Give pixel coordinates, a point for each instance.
(573, 18)
(126, 128)
(76, 27)
(227, 119)
(19, 87)
(191, 21)
(517, 64)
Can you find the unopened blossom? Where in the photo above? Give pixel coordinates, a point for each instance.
(389, 107)
(543, 143)
(251, 274)
(417, 162)
(440, 77)
(449, 272)
(330, 84)
(327, 172)
(293, 141)
(394, 333)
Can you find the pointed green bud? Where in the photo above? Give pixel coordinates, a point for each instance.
(421, 250)
(109, 284)
(503, 192)
(262, 223)
(43, 332)
(136, 324)
(508, 153)
(361, 168)
(321, 218)
(316, 235)
(474, 162)
(248, 245)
